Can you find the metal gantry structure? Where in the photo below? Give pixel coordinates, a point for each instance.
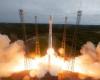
(37, 44)
(74, 40)
(21, 14)
(75, 37)
(64, 36)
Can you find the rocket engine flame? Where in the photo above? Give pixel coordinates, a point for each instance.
(57, 64)
(12, 60)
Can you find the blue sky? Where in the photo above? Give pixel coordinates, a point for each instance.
(57, 8)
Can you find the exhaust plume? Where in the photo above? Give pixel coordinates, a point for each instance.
(12, 60)
(90, 59)
(11, 56)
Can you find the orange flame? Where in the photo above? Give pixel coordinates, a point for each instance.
(51, 63)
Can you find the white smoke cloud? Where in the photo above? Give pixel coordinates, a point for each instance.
(89, 49)
(90, 59)
(4, 41)
(87, 63)
(11, 55)
(98, 51)
(12, 60)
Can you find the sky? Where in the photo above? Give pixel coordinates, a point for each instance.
(9, 11)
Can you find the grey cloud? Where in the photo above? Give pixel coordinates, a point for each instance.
(44, 8)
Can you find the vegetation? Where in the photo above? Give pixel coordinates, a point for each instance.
(85, 33)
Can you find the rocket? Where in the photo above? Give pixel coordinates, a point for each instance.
(50, 33)
(50, 49)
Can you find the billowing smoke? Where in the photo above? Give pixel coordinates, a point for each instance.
(11, 56)
(12, 60)
(90, 59)
(88, 63)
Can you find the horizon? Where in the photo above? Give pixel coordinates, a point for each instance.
(93, 25)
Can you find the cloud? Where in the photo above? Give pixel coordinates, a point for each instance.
(43, 8)
(11, 56)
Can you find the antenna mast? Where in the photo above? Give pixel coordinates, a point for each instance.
(64, 36)
(74, 41)
(21, 13)
(37, 48)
